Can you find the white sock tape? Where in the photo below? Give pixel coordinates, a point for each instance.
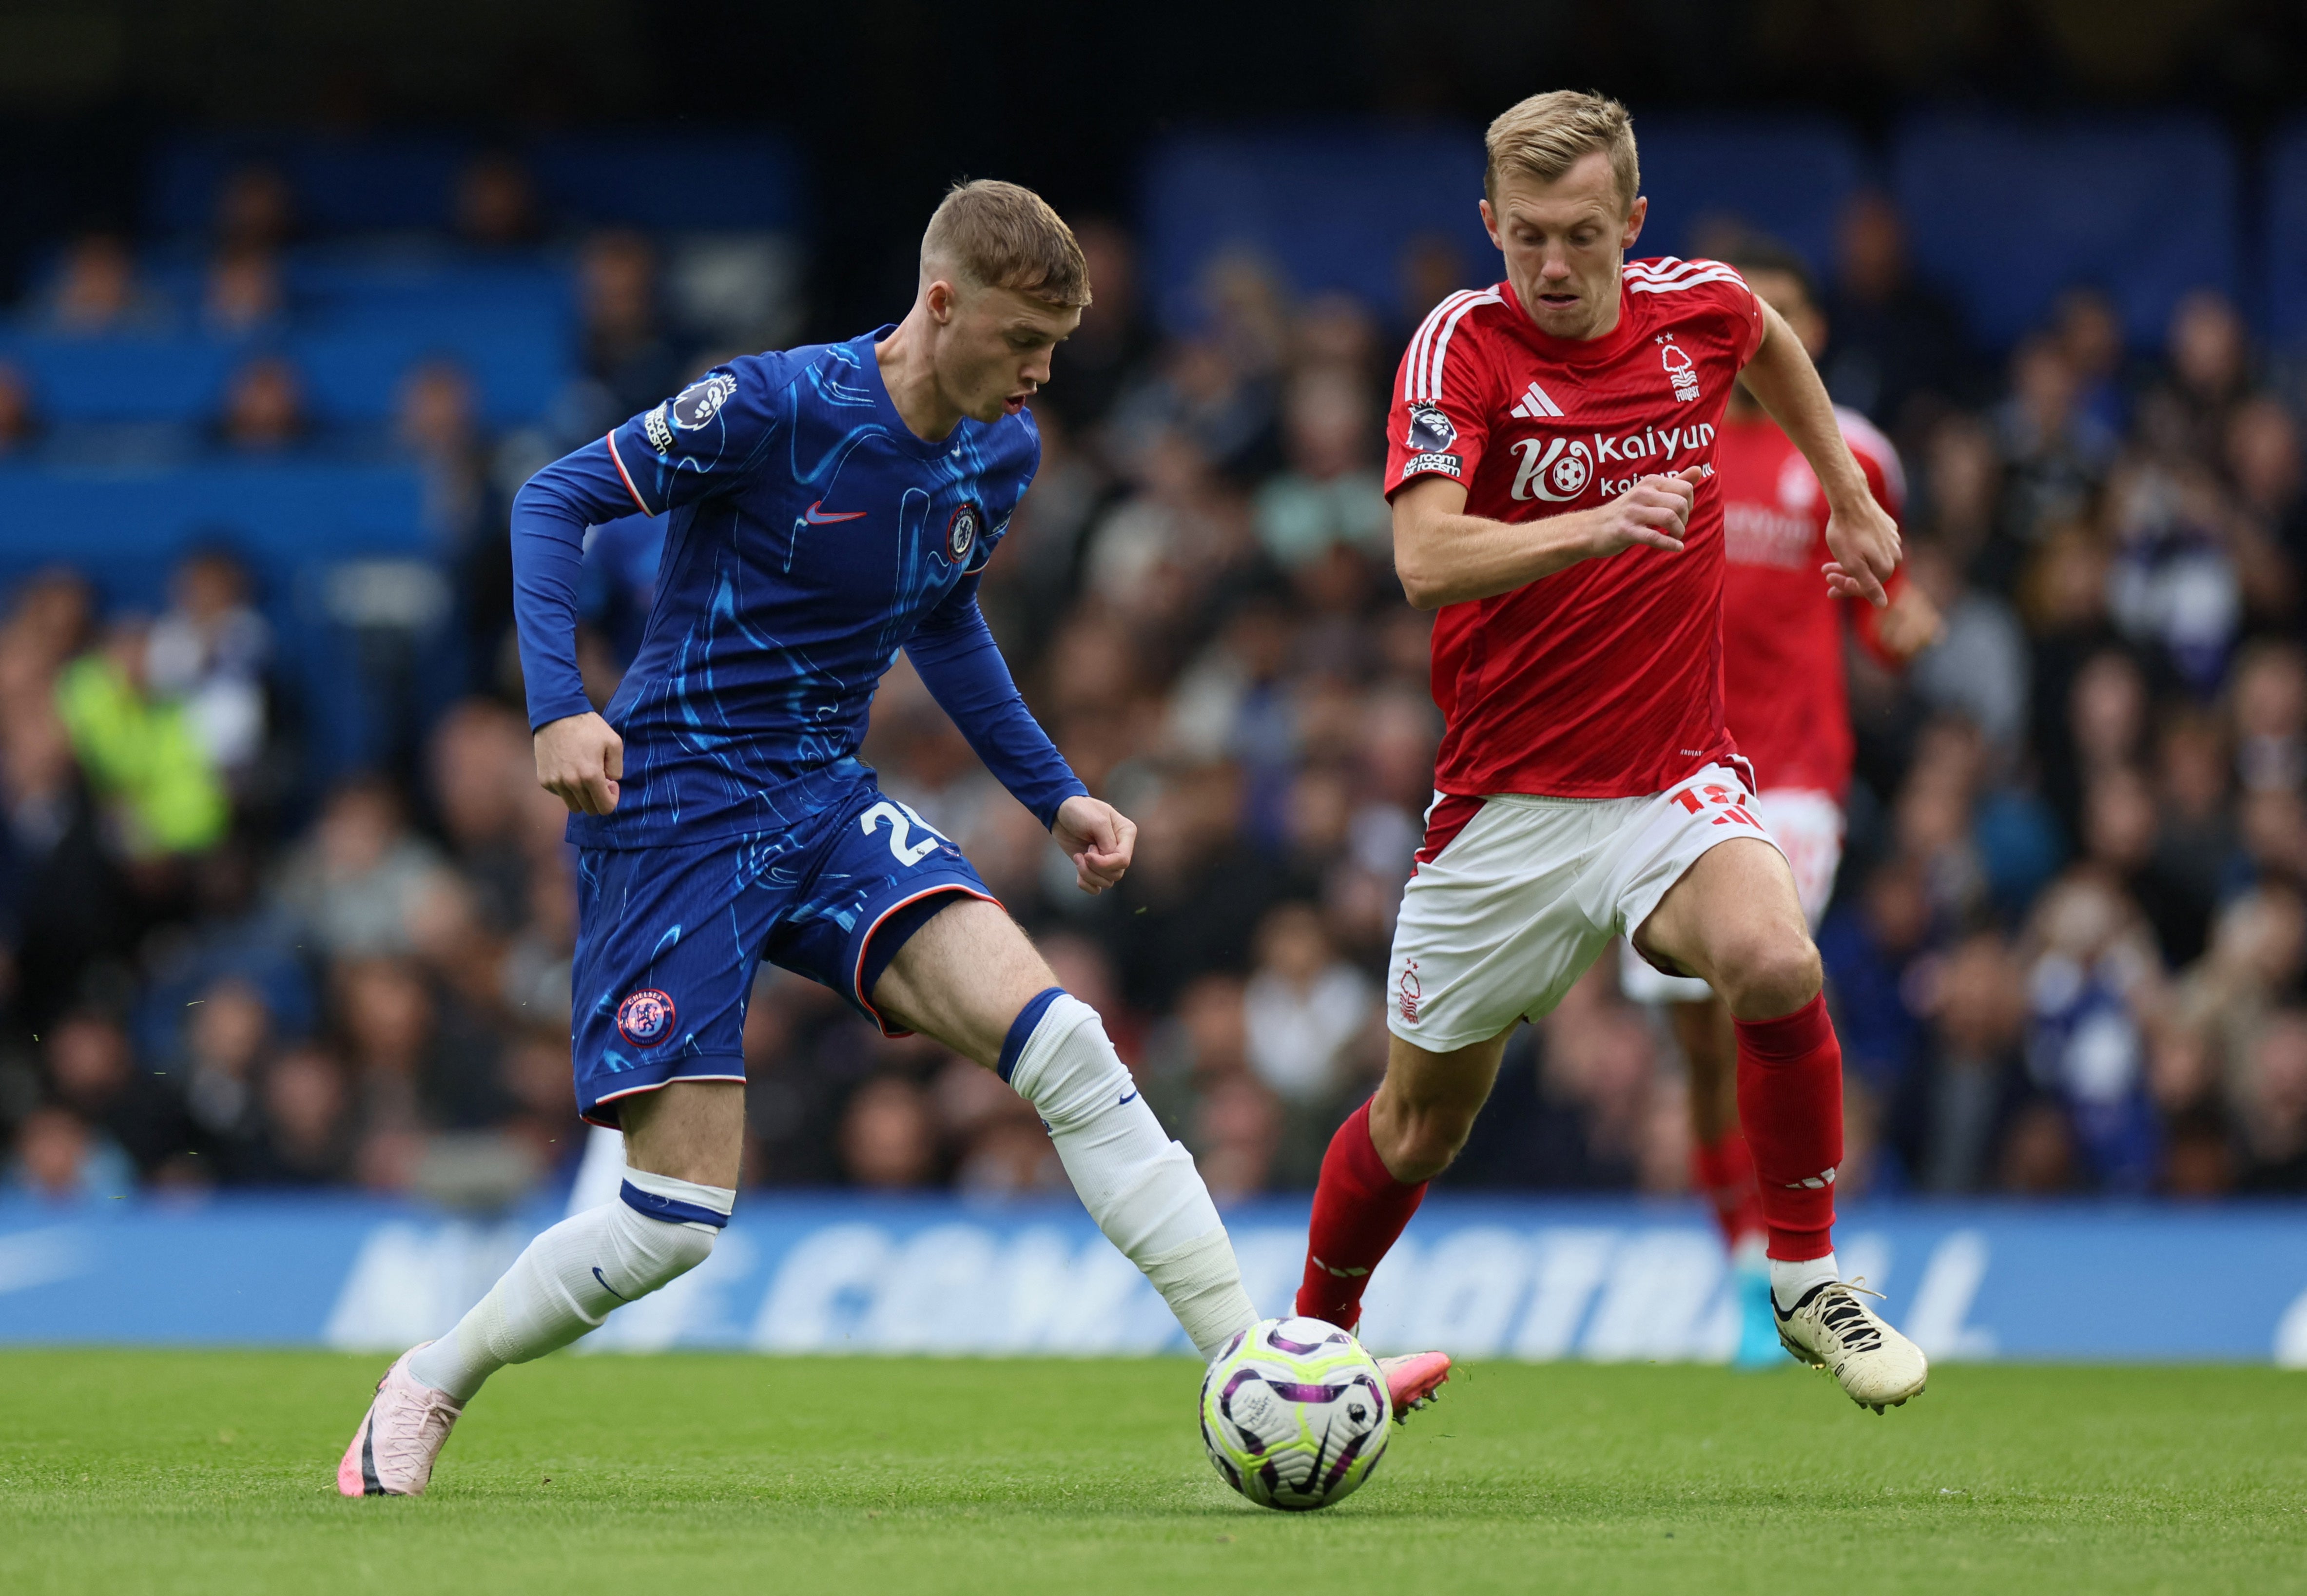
(1202, 1284)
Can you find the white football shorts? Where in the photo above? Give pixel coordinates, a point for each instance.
(1807, 826)
(1500, 923)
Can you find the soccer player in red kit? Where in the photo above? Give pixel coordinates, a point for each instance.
(1551, 468)
(1785, 699)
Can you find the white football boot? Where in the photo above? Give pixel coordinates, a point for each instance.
(401, 1436)
(1831, 1329)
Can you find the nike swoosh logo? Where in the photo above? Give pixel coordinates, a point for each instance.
(815, 519)
(1126, 1096)
(605, 1286)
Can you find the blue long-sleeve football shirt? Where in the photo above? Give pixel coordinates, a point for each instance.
(811, 535)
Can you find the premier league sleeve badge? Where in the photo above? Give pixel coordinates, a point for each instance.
(1430, 431)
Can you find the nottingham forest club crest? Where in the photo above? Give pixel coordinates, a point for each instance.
(1678, 367)
(961, 532)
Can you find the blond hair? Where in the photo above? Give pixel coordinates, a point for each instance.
(1544, 136)
(1000, 236)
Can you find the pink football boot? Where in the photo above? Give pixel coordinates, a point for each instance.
(400, 1437)
(1412, 1380)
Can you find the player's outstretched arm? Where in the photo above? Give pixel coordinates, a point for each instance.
(962, 666)
(1443, 555)
(1859, 533)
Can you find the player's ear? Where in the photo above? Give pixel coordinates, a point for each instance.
(1636, 215)
(940, 299)
(1490, 223)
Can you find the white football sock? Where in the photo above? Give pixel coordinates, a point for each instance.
(1789, 1280)
(1141, 1187)
(567, 1280)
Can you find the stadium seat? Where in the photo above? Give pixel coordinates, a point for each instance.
(1327, 210)
(1789, 176)
(343, 564)
(513, 333)
(353, 363)
(2004, 213)
(720, 180)
(672, 178)
(1336, 210)
(427, 277)
(368, 654)
(133, 379)
(124, 529)
(342, 185)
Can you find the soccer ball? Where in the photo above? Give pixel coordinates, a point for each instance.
(1295, 1414)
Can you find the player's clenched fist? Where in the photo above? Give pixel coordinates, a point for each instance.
(579, 760)
(1098, 837)
(1864, 540)
(1651, 514)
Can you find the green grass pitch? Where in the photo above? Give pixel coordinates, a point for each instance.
(213, 1472)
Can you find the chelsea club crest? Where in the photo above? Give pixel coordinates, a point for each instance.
(646, 1018)
(961, 532)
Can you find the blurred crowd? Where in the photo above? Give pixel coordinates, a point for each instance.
(2066, 954)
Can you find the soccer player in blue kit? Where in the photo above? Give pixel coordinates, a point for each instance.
(828, 506)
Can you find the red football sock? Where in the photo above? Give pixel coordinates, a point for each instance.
(1360, 1209)
(1790, 1106)
(1723, 1170)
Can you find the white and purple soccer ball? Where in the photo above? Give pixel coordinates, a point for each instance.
(1295, 1414)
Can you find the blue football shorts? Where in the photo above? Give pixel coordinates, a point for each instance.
(668, 939)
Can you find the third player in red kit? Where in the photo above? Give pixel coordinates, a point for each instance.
(1785, 700)
(1553, 447)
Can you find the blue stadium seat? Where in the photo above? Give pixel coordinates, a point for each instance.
(672, 178)
(1331, 209)
(299, 525)
(124, 529)
(166, 378)
(1337, 210)
(427, 277)
(650, 177)
(1787, 176)
(341, 184)
(512, 328)
(353, 363)
(2004, 213)
(2284, 263)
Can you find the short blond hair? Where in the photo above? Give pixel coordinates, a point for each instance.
(1000, 236)
(1544, 135)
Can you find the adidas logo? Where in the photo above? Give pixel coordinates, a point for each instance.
(1536, 404)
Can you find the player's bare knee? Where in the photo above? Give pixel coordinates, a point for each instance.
(962, 978)
(1422, 1139)
(1772, 974)
(692, 1130)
